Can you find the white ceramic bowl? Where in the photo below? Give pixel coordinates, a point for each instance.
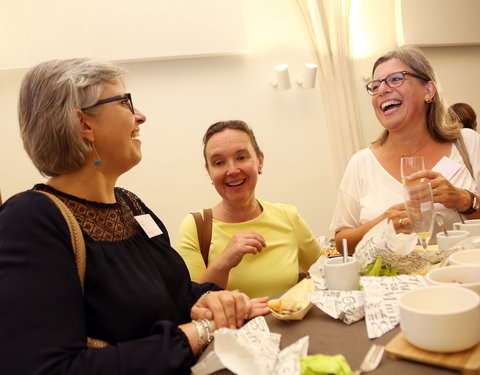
(441, 319)
(467, 276)
(465, 257)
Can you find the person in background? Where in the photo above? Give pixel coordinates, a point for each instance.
(256, 247)
(80, 129)
(416, 121)
(466, 114)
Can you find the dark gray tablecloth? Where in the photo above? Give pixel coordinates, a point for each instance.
(330, 336)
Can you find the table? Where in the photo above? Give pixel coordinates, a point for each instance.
(330, 336)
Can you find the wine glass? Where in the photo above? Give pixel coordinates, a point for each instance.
(410, 165)
(419, 205)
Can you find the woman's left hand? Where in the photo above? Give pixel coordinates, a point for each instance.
(228, 309)
(443, 191)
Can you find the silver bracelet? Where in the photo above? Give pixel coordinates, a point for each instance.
(208, 329)
(201, 330)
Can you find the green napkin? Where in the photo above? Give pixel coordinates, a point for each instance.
(320, 364)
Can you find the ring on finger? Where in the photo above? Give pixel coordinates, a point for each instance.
(400, 221)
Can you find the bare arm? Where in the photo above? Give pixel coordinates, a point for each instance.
(396, 213)
(228, 308)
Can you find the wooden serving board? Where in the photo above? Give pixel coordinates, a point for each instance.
(467, 361)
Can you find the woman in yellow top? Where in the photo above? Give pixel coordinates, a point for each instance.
(257, 247)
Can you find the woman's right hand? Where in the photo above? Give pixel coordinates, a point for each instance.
(246, 242)
(397, 214)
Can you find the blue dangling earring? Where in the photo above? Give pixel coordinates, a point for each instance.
(96, 161)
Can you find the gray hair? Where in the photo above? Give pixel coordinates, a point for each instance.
(440, 122)
(49, 95)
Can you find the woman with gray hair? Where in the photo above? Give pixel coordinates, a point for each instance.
(80, 129)
(407, 102)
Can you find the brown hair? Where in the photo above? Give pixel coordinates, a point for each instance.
(232, 124)
(466, 115)
(440, 123)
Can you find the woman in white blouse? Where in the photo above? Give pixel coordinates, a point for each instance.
(416, 121)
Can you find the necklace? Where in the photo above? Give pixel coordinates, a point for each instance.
(405, 155)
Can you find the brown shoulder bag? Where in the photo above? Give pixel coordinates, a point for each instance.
(204, 231)
(79, 251)
(464, 154)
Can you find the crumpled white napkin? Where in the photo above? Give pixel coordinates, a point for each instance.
(396, 249)
(252, 349)
(382, 239)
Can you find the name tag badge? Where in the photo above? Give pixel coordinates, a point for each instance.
(447, 167)
(149, 226)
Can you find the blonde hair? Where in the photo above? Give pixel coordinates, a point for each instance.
(49, 95)
(440, 122)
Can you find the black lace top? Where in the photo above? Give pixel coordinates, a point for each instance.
(103, 221)
(137, 290)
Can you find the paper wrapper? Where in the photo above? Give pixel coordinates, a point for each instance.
(289, 358)
(378, 302)
(339, 304)
(253, 349)
(396, 250)
(317, 273)
(382, 312)
(347, 306)
(293, 299)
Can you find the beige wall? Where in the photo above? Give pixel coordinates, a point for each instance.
(182, 97)
(456, 66)
(373, 33)
(457, 69)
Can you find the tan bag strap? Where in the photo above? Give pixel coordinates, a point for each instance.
(79, 251)
(462, 149)
(204, 231)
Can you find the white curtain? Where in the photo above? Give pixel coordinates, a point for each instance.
(327, 22)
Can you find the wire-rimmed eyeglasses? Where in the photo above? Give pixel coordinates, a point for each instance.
(125, 97)
(394, 79)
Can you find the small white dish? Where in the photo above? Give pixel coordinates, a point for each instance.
(466, 276)
(465, 257)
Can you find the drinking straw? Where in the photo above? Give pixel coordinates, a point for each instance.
(345, 250)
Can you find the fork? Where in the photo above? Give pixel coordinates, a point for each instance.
(372, 359)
